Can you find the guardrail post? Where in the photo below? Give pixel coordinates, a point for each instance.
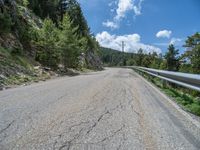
(164, 83)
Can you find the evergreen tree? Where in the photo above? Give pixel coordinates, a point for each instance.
(140, 57)
(48, 49)
(69, 43)
(171, 58)
(73, 9)
(193, 54)
(75, 13)
(155, 61)
(45, 8)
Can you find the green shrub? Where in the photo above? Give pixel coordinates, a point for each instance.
(197, 100)
(179, 100)
(5, 22)
(170, 92)
(17, 51)
(187, 99)
(194, 108)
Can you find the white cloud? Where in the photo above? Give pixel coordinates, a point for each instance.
(123, 7)
(164, 34)
(175, 41)
(112, 25)
(137, 9)
(132, 42)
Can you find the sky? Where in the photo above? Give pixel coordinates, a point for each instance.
(148, 24)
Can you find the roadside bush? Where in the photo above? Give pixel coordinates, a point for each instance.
(187, 99)
(194, 108)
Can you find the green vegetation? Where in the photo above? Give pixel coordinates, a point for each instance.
(48, 52)
(17, 69)
(52, 34)
(112, 57)
(172, 62)
(193, 54)
(116, 58)
(6, 23)
(57, 33)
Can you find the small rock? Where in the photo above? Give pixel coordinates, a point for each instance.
(47, 68)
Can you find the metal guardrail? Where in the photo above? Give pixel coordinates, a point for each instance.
(191, 81)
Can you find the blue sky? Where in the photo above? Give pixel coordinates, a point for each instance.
(148, 24)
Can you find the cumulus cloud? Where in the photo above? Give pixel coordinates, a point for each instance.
(123, 7)
(132, 42)
(112, 25)
(164, 34)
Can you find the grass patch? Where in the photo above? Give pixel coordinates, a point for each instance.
(17, 69)
(23, 61)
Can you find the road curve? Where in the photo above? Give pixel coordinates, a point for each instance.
(113, 110)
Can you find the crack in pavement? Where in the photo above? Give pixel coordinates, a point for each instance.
(79, 124)
(1, 131)
(4, 129)
(69, 130)
(69, 143)
(98, 120)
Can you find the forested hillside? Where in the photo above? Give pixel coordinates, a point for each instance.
(188, 62)
(50, 34)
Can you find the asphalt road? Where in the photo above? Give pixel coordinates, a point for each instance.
(113, 110)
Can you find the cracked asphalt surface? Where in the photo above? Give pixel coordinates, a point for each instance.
(113, 110)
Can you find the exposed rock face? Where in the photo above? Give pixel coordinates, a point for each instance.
(13, 69)
(93, 61)
(10, 42)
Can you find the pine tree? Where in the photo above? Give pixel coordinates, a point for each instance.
(69, 44)
(171, 58)
(140, 57)
(48, 38)
(193, 42)
(45, 8)
(73, 9)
